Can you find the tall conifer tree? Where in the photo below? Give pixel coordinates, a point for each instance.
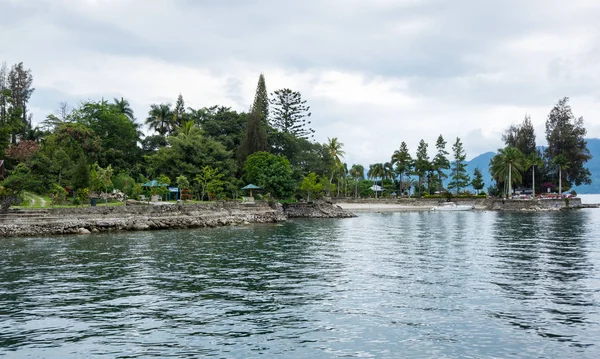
(565, 136)
(459, 177)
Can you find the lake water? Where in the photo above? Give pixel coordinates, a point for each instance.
(391, 285)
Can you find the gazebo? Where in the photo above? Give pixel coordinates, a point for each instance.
(250, 187)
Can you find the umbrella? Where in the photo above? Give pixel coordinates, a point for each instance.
(251, 187)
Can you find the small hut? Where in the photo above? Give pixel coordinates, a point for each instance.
(250, 187)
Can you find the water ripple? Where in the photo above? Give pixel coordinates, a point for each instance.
(421, 285)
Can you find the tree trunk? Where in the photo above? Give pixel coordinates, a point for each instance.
(559, 181)
(533, 181)
(510, 180)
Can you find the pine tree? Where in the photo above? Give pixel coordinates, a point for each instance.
(565, 136)
(477, 181)
(521, 137)
(403, 162)
(19, 82)
(255, 139)
(290, 113)
(440, 161)
(179, 112)
(459, 177)
(422, 164)
(261, 100)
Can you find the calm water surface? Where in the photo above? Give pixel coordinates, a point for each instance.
(419, 285)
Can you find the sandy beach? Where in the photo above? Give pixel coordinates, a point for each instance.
(382, 207)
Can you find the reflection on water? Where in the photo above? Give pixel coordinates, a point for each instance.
(464, 284)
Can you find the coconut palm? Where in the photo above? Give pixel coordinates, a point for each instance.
(532, 161)
(562, 162)
(124, 107)
(357, 172)
(402, 160)
(508, 164)
(376, 170)
(160, 118)
(334, 147)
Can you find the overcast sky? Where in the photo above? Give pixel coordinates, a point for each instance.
(375, 73)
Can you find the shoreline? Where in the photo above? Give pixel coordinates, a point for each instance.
(86, 220)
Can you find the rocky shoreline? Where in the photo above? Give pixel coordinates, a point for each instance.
(85, 220)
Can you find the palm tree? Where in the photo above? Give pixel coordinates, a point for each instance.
(508, 163)
(532, 161)
(402, 160)
(562, 162)
(124, 107)
(376, 170)
(334, 147)
(357, 172)
(160, 118)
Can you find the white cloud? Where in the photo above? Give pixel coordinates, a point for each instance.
(375, 74)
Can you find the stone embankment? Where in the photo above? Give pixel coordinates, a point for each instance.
(315, 210)
(485, 204)
(85, 220)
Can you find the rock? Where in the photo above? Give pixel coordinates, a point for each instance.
(83, 231)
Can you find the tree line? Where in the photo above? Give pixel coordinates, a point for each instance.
(556, 167)
(211, 152)
(208, 152)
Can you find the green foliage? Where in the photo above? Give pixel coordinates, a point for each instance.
(182, 182)
(565, 136)
(311, 186)
(402, 161)
(81, 174)
(507, 167)
(160, 119)
(459, 176)
(58, 194)
(477, 181)
(117, 133)
(289, 113)
(209, 180)
(270, 172)
(255, 139)
(364, 188)
(188, 153)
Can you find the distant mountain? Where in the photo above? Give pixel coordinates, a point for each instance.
(593, 144)
(483, 162)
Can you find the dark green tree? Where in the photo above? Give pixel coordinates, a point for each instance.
(289, 113)
(20, 81)
(507, 167)
(160, 119)
(187, 153)
(477, 181)
(459, 178)
(261, 100)
(255, 139)
(118, 134)
(81, 174)
(565, 136)
(19, 180)
(422, 163)
(440, 162)
(122, 106)
(521, 137)
(403, 162)
(179, 114)
(270, 172)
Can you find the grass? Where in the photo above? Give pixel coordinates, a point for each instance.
(35, 201)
